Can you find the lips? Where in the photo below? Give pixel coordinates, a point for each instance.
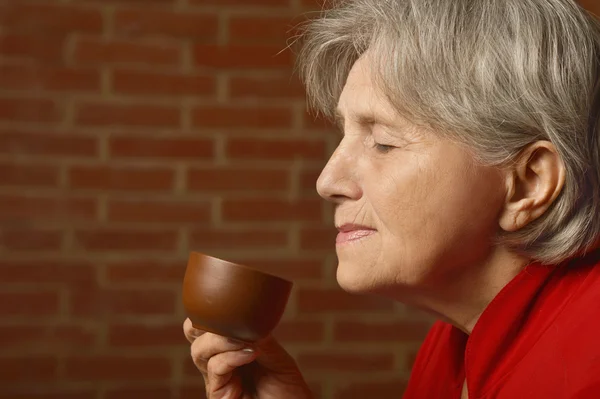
(353, 232)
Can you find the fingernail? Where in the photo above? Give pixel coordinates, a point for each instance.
(248, 351)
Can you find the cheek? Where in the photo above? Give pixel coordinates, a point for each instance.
(402, 195)
(430, 207)
(473, 198)
(461, 217)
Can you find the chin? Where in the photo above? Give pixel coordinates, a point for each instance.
(353, 279)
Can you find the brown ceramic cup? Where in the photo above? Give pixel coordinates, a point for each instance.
(232, 300)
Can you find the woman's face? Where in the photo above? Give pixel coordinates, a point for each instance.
(413, 209)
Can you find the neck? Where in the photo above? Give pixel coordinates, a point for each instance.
(460, 298)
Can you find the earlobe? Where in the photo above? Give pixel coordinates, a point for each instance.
(533, 183)
(516, 215)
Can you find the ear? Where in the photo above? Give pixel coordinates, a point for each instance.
(533, 183)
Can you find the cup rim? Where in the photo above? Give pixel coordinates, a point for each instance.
(199, 254)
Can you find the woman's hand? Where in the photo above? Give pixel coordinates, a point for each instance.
(235, 370)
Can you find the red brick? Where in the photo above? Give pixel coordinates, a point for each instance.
(136, 335)
(323, 301)
(277, 30)
(313, 5)
(189, 368)
(107, 114)
(318, 238)
(36, 208)
(30, 239)
(192, 392)
(146, 393)
(316, 388)
(121, 178)
(252, 3)
(410, 360)
(152, 211)
(138, 83)
(21, 174)
(590, 5)
(94, 51)
(313, 122)
(30, 369)
(40, 335)
(146, 22)
(308, 180)
(44, 19)
(175, 148)
(242, 56)
(38, 303)
(300, 331)
(242, 117)
(149, 3)
(342, 362)
(146, 270)
(43, 391)
(292, 269)
(376, 389)
(399, 331)
(107, 239)
(71, 336)
(48, 78)
(237, 179)
(29, 110)
(214, 238)
(44, 48)
(274, 87)
(246, 148)
(39, 143)
(137, 302)
(268, 210)
(117, 368)
(47, 271)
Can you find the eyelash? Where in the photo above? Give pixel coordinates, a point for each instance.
(382, 148)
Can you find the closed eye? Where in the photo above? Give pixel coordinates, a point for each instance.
(383, 148)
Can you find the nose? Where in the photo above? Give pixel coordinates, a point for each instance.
(338, 180)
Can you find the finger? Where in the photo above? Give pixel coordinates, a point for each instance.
(274, 357)
(208, 345)
(220, 371)
(190, 332)
(232, 389)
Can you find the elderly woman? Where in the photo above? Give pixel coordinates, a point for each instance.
(466, 183)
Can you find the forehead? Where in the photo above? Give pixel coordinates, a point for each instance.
(361, 96)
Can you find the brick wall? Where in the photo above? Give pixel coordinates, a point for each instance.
(132, 132)
(591, 5)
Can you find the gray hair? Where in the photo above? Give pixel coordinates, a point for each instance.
(493, 75)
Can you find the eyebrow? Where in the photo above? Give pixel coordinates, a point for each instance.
(362, 119)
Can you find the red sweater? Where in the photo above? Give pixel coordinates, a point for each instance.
(538, 339)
